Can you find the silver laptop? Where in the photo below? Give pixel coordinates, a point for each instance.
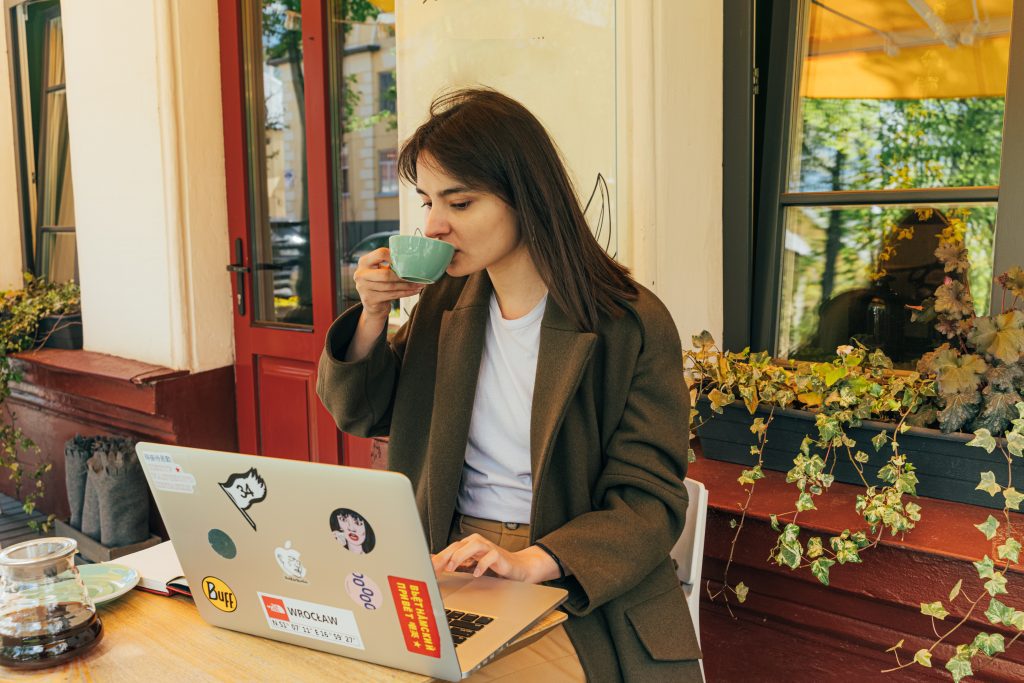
(331, 558)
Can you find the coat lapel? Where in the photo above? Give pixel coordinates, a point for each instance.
(564, 354)
(460, 347)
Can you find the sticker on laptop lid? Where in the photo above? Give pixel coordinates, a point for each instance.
(415, 616)
(222, 544)
(219, 595)
(166, 474)
(363, 590)
(310, 620)
(290, 561)
(352, 531)
(245, 489)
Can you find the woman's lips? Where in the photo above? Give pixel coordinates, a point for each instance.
(353, 537)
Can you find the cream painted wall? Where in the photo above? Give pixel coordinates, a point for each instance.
(143, 89)
(10, 220)
(662, 119)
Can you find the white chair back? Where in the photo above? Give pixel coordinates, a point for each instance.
(689, 549)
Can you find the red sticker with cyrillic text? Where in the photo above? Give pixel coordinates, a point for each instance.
(415, 615)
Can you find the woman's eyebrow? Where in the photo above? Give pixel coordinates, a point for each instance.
(444, 193)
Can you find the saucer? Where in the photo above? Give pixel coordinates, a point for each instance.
(107, 582)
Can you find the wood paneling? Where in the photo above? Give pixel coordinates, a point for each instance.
(287, 397)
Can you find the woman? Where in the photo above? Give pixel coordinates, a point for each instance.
(535, 397)
(351, 530)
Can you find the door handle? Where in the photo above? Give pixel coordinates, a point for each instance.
(239, 269)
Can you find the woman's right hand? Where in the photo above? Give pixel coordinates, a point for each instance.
(378, 285)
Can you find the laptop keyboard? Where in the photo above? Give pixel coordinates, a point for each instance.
(465, 624)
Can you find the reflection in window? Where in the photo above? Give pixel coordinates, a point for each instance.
(851, 274)
(891, 96)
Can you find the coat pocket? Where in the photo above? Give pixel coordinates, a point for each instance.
(664, 626)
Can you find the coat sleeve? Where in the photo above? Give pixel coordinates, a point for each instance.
(639, 499)
(359, 395)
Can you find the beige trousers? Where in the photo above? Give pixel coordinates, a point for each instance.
(549, 658)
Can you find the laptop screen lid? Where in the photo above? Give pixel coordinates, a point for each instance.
(327, 557)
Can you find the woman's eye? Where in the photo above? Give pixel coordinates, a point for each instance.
(425, 205)
(460, 205)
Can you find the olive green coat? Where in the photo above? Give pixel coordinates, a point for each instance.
(608, 449)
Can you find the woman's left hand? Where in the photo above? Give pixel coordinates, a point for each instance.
(530, 565)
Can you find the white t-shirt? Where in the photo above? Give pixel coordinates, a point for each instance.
(497, 482)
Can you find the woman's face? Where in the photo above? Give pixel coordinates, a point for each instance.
(481, 226)
(353, 528)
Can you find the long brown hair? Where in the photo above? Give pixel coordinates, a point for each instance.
(493, 143)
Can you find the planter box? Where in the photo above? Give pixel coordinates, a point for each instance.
(93, 550)
(60, 332)
(947, 468)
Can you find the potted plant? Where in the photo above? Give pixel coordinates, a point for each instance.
(21, 312)
(854, 418)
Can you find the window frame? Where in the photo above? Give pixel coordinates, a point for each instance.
(753, 208)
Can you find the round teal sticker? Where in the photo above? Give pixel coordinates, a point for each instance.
(222, 544)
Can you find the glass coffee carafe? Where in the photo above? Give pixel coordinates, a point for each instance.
(46, 615)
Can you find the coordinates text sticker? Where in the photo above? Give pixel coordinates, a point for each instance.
(310, 620)
(415, 616)
(167, 475)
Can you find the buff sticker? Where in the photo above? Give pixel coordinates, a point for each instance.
(416, 617)
(219, 595)
(310, 620)
(167, 475)
(363, 590)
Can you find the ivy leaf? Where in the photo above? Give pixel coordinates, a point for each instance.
(820, 569)
(923, 657)
(989, 643)
(988, 483)
(814, 547)
(741, 592)
(996, 585)
(805, 502)
(1000, 336)
(989, 529)
(861, 457)
(986, 568)
(1009, 550)
(1013, 498)
(896, 646)
(998, 613)
(956, 590)
(934, 609)
(1015, 443)
(879, 440)
(983, 439)
(774, 522)
(719, 400)
(960, 668)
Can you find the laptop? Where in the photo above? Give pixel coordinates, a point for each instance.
(331, 558)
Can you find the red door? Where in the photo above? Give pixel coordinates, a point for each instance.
(279, 188)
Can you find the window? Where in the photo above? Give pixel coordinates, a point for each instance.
(386, 94)
(883, 134)
(46, 193)
(388, 171)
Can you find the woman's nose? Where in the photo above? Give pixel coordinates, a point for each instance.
(436, 224)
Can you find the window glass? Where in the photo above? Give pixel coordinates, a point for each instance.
(897, 94)
(365, 135)
(854, 274)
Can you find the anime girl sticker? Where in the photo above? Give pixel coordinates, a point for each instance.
(351, 530)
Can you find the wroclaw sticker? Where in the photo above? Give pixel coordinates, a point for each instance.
(245, 490)
(415, 616)
(290, 561)
(363, 590)
(167, 475)
(310, 620)
(218, 593)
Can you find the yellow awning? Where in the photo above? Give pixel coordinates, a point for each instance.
(384, 5)
(906, 49)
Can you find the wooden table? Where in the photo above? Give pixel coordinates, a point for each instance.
(155, 638)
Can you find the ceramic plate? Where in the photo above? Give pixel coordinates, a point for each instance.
(107, 582)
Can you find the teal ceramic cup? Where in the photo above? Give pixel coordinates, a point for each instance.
(419, 259)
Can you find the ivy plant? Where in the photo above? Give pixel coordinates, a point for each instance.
(20, 313)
